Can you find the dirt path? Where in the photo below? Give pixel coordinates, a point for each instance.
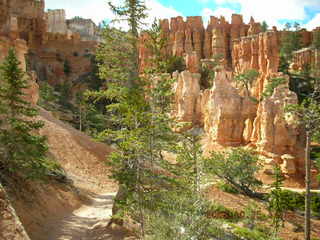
(82, 222)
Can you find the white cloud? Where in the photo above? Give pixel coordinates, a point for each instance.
(273, 10)
(206, 13)
(315, 22)
(226, 12)
(225, 1)
(157, 10)
(98, 10)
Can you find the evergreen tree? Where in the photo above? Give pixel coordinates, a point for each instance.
(138, 108)
(22, 150)
(236, 167)
(308, 113)
(277, 205)
(264, 26)
(291, 41)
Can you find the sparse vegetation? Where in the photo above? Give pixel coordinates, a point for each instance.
(247, 78)
(237, 167)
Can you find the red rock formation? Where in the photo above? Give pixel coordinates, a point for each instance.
(184, 37)
(26, 18)
(187, 91)
(226, 112)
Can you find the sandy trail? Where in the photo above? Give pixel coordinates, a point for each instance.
(82, 222)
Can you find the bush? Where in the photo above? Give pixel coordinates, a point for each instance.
(228, 188)
(248, 234)
(66, 67)
(296, 201)
(176, 63)
(218, 211)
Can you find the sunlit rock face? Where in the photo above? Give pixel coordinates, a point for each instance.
(228, 114)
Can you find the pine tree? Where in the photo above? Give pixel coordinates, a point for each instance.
(308, 113)
(291, 41)
(22, 150)
(264, 26)
(138, 110)
(277, 205)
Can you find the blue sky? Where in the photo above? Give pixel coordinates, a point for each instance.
(275, 12)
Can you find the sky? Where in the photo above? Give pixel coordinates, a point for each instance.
(274, 12)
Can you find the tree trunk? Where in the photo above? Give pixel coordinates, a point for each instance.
(307, 230)
(80, 117)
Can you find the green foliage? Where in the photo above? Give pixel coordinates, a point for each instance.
(184, 217)
(227, 187)
(308, 113)
(64, 97)
(247, 78)
(252, 213)
(294, 201)
(66, 67)
(138, 106)
(277, 204)
(318, 167)
(290, 42)
(284, 65)
(190, 160)
(316, 40)
(237, 167)
(22, 150)
(264, 26)
(248, 234)
(218, 211)
(47, 97)
(208, 71)
(273, 84)
(175, 63)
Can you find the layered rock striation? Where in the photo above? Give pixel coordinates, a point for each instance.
(229, 115)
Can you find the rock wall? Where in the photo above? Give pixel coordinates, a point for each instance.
(57, 21)
(24, 19)
(86, 28)
(231, 118)
(186, 37)
(58, 51)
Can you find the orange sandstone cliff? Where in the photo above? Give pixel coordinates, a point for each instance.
(228, 116)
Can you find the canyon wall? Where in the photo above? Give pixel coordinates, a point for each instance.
(228, 114)
(62, 60)
(57, 21)
(23, 19)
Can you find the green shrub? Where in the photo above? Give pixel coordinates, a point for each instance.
(66, 67)
(248, 234)
(176, 63)
(237, 167)
(219, 211)
(296, 201)
(228, 188)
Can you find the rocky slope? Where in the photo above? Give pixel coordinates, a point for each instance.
(10, 224)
